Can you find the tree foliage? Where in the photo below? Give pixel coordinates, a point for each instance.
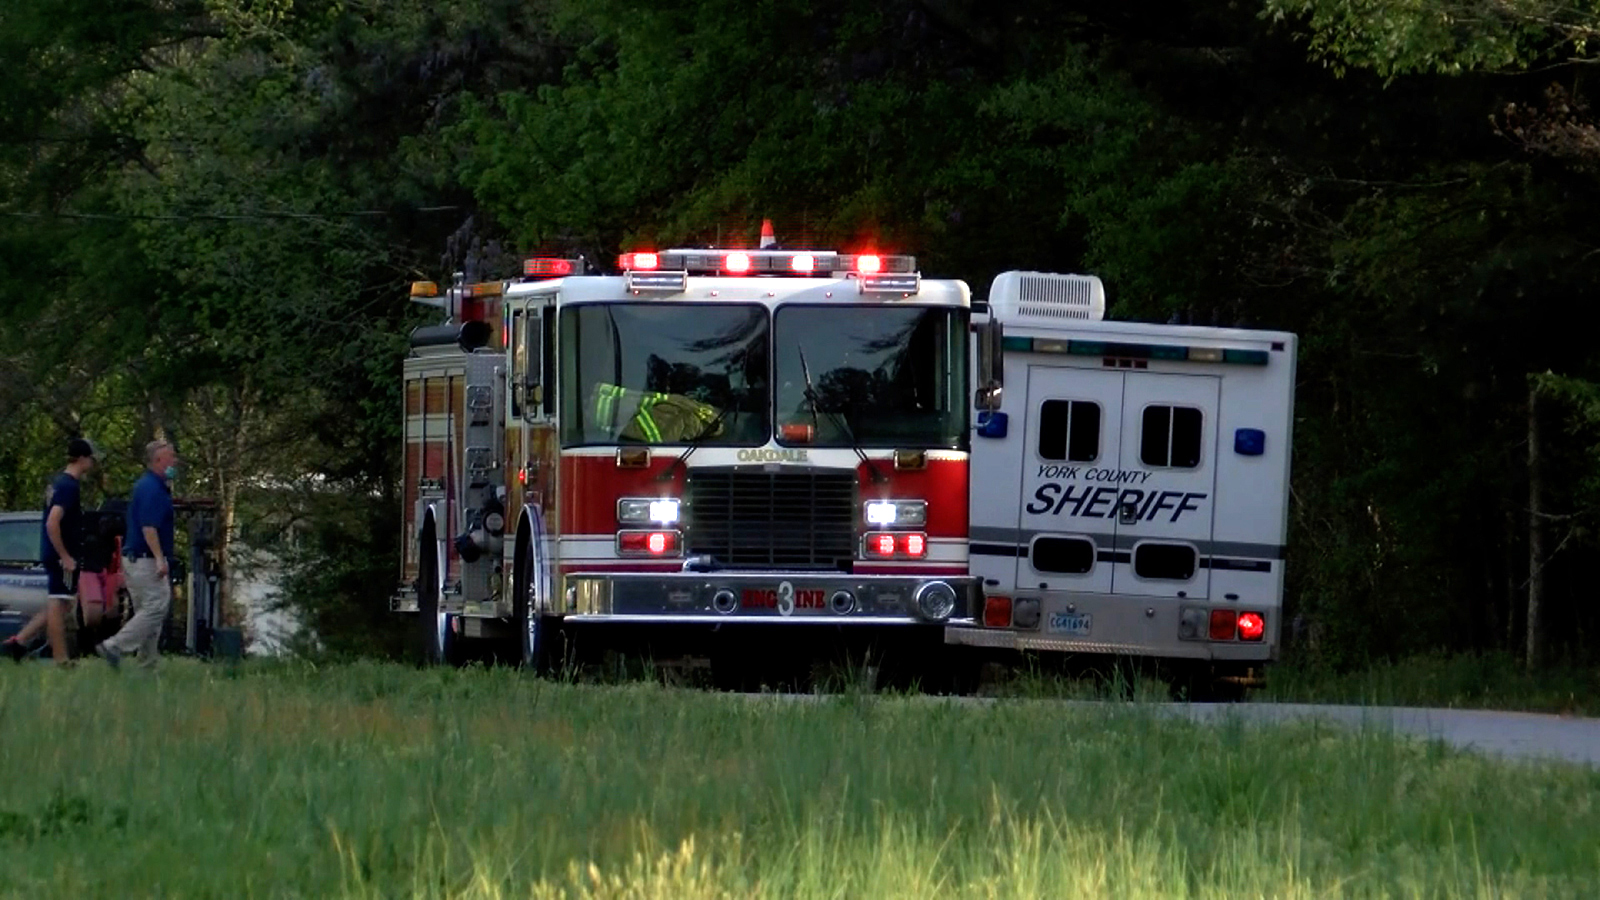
(210, 210)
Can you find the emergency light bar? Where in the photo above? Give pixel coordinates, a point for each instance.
(549, 267)
(1114, 350)
(768, 262)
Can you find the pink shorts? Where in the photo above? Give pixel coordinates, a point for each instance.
(98, 593)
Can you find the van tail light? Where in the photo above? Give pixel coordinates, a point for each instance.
(997, 612)
(1222, 624)
(1252, 626)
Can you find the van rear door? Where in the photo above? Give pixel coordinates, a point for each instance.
(1168, 476)
(1074, 432)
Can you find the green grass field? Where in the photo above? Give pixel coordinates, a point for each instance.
(372, 781)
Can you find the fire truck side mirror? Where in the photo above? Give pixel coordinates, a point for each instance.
(991, 366)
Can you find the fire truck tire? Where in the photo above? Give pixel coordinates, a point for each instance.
(538, 636)
(433, 626)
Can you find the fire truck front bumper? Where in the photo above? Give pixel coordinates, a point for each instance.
(777, 597)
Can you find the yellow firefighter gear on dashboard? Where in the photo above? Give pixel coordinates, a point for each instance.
(656, 417)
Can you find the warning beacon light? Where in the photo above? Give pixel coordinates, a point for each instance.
(548, 267)
(878, 273)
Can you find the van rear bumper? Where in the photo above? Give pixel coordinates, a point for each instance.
(1120, 625)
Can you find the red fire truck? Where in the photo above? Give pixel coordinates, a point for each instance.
(719, 443)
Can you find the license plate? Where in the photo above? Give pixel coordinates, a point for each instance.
(1070, 623)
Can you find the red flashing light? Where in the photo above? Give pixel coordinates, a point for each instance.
(997, 612)
(891, 544)
(644, 261)
(737, 263)
(1222, 623)
(803, 262)
(546, 266)
(1251, 626)
(647, 543)
(869, 264)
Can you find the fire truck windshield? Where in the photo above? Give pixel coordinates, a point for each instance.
(656, 373)
(888, 376)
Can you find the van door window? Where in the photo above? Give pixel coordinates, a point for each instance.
(1172, 562)
(1069, 430)
(1170, 437)
(1069, 556)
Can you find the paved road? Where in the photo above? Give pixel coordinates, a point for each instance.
(1513, 735)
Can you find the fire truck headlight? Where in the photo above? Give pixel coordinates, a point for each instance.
(935, 601)
(885, 513)
(647, 510)
(664, 512)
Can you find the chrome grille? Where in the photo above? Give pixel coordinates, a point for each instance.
(790, 519)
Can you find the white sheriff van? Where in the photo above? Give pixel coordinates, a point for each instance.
(1129, 481)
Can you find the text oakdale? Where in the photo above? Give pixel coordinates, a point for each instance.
(1103, 502)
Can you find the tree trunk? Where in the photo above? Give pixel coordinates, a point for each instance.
(1512, 570)
(1535, 536)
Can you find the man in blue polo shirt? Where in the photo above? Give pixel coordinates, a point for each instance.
(147, 547)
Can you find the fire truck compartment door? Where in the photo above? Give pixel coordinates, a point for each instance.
(1067, 516)
(1167, 474)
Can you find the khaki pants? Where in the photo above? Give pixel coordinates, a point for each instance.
(152, 597)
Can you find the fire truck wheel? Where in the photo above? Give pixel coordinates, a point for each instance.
(433, 626)
(538, 636)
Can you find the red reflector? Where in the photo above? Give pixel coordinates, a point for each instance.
(803, 262)
(546, 266)
(915, 545)
(997, 612)
(654, 543)
(869, 264)
(1222, 624)
(1251, 626)
(737, 262)
(881, 544)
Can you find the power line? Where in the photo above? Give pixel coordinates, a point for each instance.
(220, 217)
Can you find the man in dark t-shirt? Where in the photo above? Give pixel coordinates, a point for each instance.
(60, 545)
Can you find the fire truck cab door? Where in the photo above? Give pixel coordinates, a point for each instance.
(1168, 480)
(1067, 525)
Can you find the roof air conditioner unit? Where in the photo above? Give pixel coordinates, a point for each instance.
(1046, 298)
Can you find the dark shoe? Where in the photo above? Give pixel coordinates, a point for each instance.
(112, 657)
(14, 649)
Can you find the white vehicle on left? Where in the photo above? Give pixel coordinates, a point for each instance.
(22, 577)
